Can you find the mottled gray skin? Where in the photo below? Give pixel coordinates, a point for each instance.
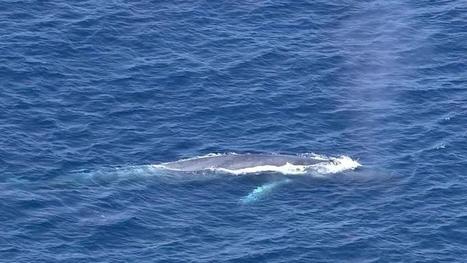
(237, 161)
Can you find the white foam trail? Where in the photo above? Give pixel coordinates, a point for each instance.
(330, 165)
(287, 168)
(335, 165)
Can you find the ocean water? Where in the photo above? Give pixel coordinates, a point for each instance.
(94, 95)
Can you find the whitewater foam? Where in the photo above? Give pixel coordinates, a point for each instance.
(335, 165)
(287, 168)
(330, 165)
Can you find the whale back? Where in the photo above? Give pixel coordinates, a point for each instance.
(238, 161)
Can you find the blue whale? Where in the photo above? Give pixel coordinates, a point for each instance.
(237, 162)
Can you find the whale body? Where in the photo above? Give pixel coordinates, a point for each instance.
(237, 164)
(245, 163)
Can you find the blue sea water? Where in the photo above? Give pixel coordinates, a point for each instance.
(93, 93)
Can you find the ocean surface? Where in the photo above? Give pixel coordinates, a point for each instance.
(97, 96)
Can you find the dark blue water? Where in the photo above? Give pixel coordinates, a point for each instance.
(92, 93)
